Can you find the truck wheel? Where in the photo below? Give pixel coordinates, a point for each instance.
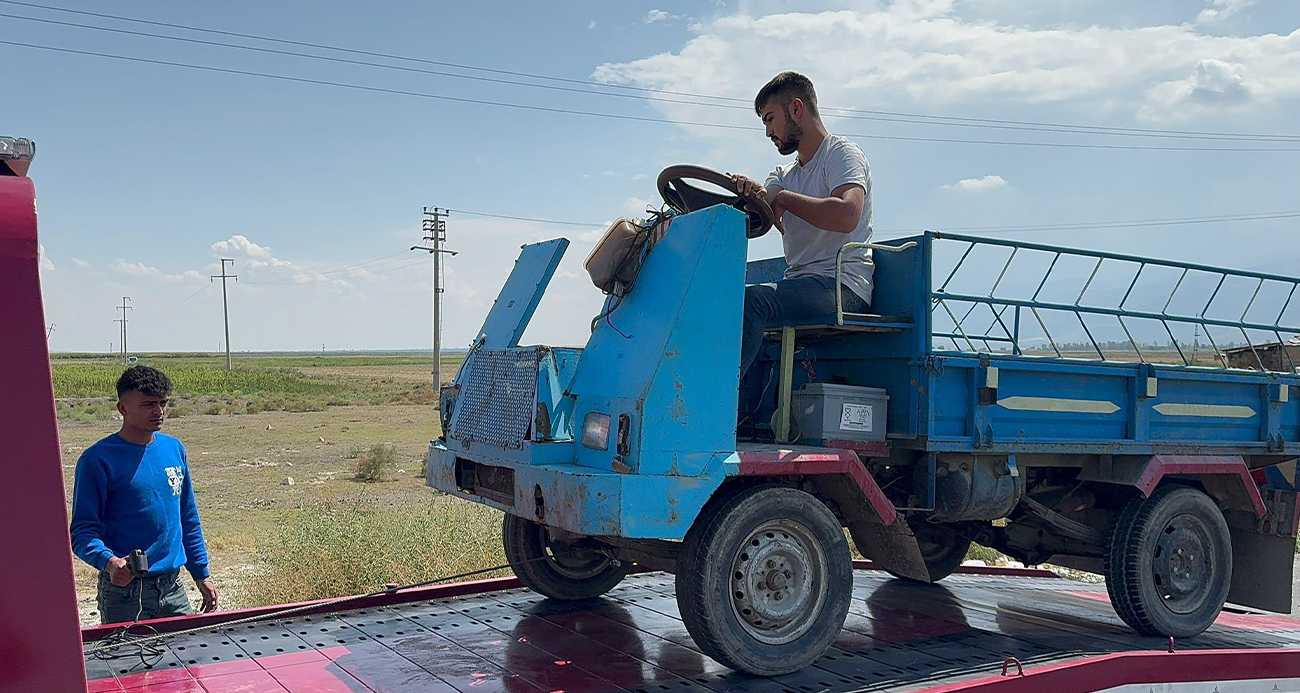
(764, 580)
(557, 570)
(942, 548)
(1169, 565)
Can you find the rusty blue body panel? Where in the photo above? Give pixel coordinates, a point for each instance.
(664, 367)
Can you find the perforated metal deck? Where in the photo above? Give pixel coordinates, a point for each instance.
(900, 636)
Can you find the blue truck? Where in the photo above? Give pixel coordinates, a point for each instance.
(947, 416)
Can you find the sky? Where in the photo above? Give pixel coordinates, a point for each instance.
(148, 173)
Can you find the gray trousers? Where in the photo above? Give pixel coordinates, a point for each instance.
(143, 598)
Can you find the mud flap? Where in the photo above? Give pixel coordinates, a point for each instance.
(892, 546)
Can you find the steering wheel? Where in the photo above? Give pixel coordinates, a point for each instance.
(686, 198)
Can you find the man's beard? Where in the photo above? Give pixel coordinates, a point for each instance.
(789, 142)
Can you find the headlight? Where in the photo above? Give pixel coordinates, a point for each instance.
(17, 153)
(595, 431)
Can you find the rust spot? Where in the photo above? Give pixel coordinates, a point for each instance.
(677, 410)
(677, 384)
(622, 468)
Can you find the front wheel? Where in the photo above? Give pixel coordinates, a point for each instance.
(1169, 565)
(764, 580)
(559, 570)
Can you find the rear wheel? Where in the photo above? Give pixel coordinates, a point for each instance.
(764, 580)
(567, 570)
(1169, 565)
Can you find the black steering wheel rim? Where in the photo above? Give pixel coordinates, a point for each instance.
(685, 198)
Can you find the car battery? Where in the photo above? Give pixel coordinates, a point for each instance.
(829, 411)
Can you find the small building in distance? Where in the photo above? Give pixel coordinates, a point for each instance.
(1280, 357)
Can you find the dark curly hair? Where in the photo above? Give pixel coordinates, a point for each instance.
(150, 381)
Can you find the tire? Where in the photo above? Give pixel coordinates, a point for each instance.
(1169, 564)
(785, 545)
(942, 549)
(566, 572)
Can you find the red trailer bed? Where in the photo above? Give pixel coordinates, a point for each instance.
(900, 636)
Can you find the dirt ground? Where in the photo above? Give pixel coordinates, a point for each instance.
(240, 464)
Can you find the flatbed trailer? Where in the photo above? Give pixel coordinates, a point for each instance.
(989, 630)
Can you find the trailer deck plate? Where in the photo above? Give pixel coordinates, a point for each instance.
(899, 636)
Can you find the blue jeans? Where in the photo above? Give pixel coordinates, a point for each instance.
(142, 598)
(790, 299)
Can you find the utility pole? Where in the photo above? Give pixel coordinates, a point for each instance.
(225, 307)
(124, 307)
(435, 234)
(50, 331)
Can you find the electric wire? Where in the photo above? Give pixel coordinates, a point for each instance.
(889, 116)
(913, 119)
(403, 264)
(620, 116)
(1123, 223)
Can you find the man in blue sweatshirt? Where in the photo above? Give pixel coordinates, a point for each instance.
(133, 491)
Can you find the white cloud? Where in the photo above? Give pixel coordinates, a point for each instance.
(924, 54)
(80, 263)
(139, 269)
(1220, 10)
(255, 256)
(978, 184)
(591, 24)
(1213, 85)
(660, 16)
(45, 262)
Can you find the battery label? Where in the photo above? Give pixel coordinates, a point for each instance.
(855, 417)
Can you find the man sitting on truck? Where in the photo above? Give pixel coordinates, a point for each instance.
(820, 201)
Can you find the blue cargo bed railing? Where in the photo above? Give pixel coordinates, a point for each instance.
(1031, 277)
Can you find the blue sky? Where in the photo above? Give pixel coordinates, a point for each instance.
(147, 174)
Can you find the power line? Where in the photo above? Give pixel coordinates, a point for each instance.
(888, 116)
(314, 276)
(405, 263)
(853, 114)
(621, 116)
(1123, 223)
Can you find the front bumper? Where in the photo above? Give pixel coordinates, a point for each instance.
(579, 499)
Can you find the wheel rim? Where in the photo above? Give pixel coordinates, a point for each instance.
(1182, 564)
(570, 561)
(778, 581)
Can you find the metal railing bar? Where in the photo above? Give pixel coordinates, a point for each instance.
(1175, 291)
(1065, 307)
(957, 266)
(1222, 278)
(1090, 278)
(1003, 274)
(1136, 349)
(1043, 325)
(1174, 339)
(984, 338)
(1281, 344)
(1287, 304)
(1223, 358)
(1092, 339)
(1109, 256)
(1045, 276)
(957, 326)
(1253, 351)
(1253, 296)
(1132, 284)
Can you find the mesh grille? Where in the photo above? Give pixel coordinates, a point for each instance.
(496, 405)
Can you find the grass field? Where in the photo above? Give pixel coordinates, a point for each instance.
(315, 421)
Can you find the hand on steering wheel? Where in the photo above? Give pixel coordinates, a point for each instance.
(686, 198)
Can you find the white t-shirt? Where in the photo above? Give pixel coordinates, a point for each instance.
(810, 251)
